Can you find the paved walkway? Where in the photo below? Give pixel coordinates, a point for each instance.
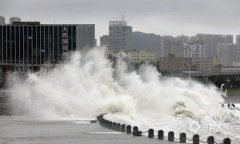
(17, 130)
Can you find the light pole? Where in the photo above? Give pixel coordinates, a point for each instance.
(188, 70)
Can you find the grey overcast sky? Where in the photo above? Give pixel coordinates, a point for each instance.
(164, 17)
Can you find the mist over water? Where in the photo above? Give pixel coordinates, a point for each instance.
(88, 85)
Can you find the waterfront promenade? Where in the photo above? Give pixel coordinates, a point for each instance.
(18, 130)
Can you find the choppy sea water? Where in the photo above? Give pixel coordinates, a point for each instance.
(6, 110)
(88, 85)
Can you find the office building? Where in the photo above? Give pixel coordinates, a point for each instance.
(119, 35)
(25, 45)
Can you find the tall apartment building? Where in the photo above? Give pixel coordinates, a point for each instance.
(228, 54)
(25, 45)
(183, 38)
(195, 50)
(212, 41)
(119, 35)
(172, 46)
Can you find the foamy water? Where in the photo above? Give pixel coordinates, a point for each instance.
(87, 85)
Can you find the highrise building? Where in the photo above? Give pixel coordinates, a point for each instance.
(238, 39)
(183, 38)
(228, 54)
(95, 43)
(25, 45)
(119, 35)
(1, 76)
(104, 41)
(212, 41)
(172, 46)
(2, 20)
(14, 19)
(195, 50)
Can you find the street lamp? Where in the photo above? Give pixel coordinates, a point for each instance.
(188, 70)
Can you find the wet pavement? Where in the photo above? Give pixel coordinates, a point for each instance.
(18, 130)
(15, 129)
(5, 104)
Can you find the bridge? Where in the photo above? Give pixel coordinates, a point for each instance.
(231, 81)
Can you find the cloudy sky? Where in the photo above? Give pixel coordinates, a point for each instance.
(164, 17)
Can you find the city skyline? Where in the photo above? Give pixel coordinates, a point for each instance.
(165, 17)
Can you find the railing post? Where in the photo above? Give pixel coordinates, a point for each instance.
(135, 128)
(103, 122)
(171, 136)
(101, 116)
(101, 119)
(160, 134)
(98, 118)
(107, 123)
(210, 140)
(150, 133)
(123, 128)
(137, 133)
(196, 139)
(114, 126)
(183, 138)
(110, 124)
(118, 127)
(226, 141)
(129, 129)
